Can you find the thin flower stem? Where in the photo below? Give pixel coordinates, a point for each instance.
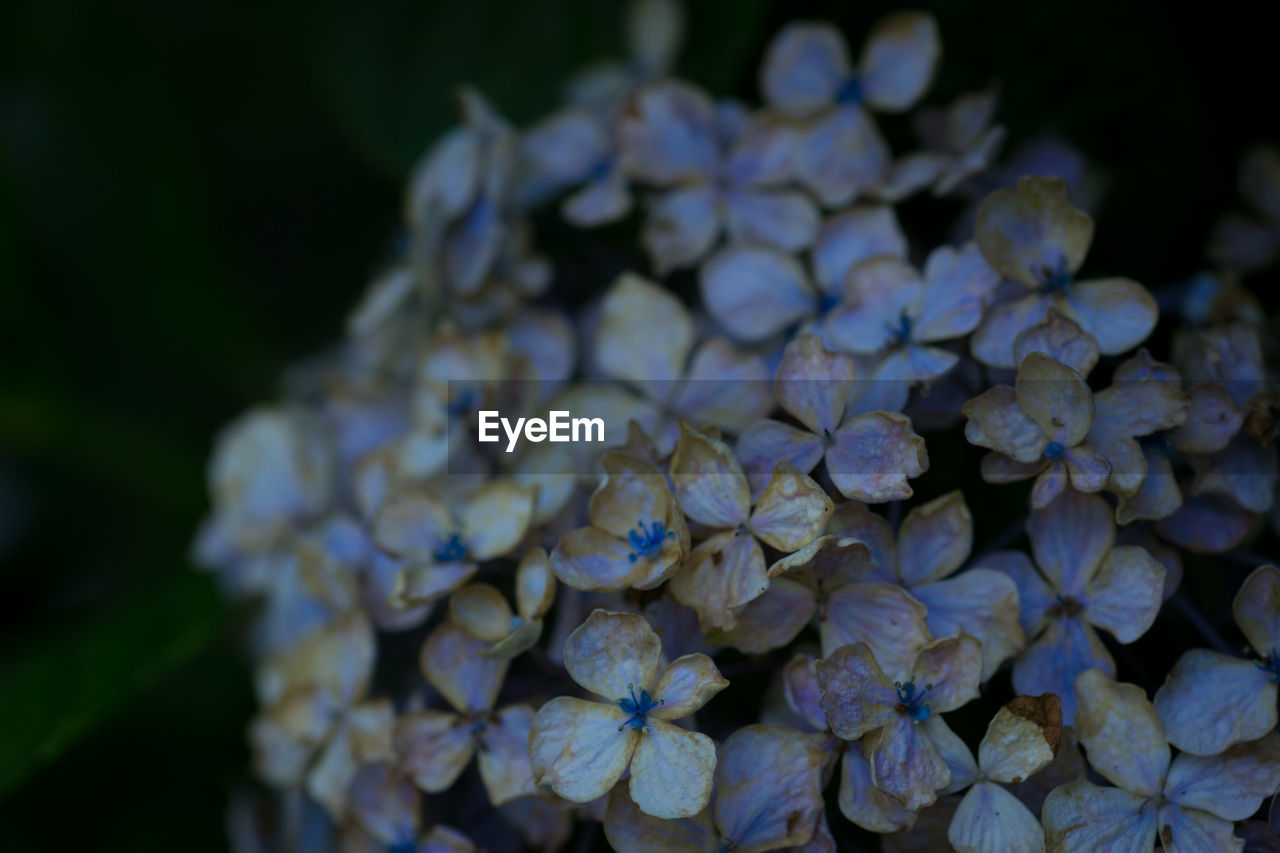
(1202, 625)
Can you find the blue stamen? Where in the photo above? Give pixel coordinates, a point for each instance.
(600, 170)
(638, 707)
(912, 703)
(647, 541)
(850, 91)
(1059, 279)
(1271, 665)
(1053, 450)
(452, 550)
(902, 332)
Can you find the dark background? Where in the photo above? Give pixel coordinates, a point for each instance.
(192, 194)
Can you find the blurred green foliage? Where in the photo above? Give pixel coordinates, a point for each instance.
(190, 196)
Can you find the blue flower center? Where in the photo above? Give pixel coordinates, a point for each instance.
(403, 847)
(850, 91)
(827, 302)
(1058, 279)
(1271, 665)
(638, 707)
(646, 541)
(912, 703)
(452, 550)
(600, 169)
(902, 331)
(1053, 450)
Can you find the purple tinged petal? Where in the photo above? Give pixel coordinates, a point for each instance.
(1192, 829)
(1158, 496)
(1257, 609)
(722, 574)
(953, 666)
(999, 469)
(766, 443)
(630, 830)
(954, 752)
(757, 811)
(898, 60)
(1030, 232)
(686, 685)
(681, 227)
(1070, 538)
(580, 748)
(793, 510)
(841, 156)
(755, 291)
(884, 617)
(1121, 733)
(1088, 469)
(1210, 701)
(1207, 524)
(1051, 483)
(855, 520)
(1067, 648)
(877, 294)
(724, 386)
(612, 653)
(958, 286)
(802, 691)
(1080, 817)
(770, 621)
(785, 219)
(990, 819)
(451, 662)
(935, 539)
(1119, 313)
(813, 382)
(598, 202)
(854, 236)
(981, 602)
(1059, 337)
(1213, 419)
(856, 696)
(669, 135)
(1230, 786)
(1035, 597)
(996, 421)
(589, 559)
(709, 482)
(874, 455)
(1244, 471)
(504, 758)
(906, 765)
(645, 333)
(804, 67)
(993, 341)
(1126, 594)
(865, 804)
(1056, 398)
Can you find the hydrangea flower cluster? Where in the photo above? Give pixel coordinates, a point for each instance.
(676, 638)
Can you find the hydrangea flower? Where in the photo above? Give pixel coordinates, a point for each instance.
(1060, 338)
(1038, 429)
(756, 291)
(749, 810)
(637, 536)
(960, 140)
(807, 74)
(438, 545)
(869, 456)
(582, 748)
(481, 611)
(858, 699)
(933, 541)
(727, 569)
(1211, 701)
(434, 747)
(895, 318)
(1021, 739)
(717, 177)
(1084, 582)
(1189, 802)
(1033, 235)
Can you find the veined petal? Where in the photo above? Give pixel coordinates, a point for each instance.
(1067, 648)
(1088, 469)
(590, 559)
(958, 286)
(725, 386)
(770, 621)
(826, 564)
(792, 511)
(1035, 597)
(855, 520)
(877, 293)
(1121, 733)
(856, 696)
(993, 341)
(496, 518)
(686, 685)
(766, 811)
(1081, 817)
(1183, 830)
(709, 482)
(954, 751)
(883, 616)
(1060, 338)
(934, 539)
(504, 758)
(906, 765)
(672, 771)
(981, 602)
(451, 662)
(898, 60)
(1118, 312)
(854, 236)
(755, 291)
(634, 489)
(874, 455)
(433, 747)
(1056, 398)
(998, 422)
(991, 820)
(1030, 232)
(802, 692)
(1158, 496)
(612, 653)
(1126, 594)
(1232, 785)
(721, 574)
(842, 155)
(865, 804)
(630, 830)
(1257, 609)
(1022, 738)
(813, 382)
(1070, 538)
(766, 443)
(953, 666)
(580, 748)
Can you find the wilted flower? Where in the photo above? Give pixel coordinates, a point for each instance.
(481, 611)
(934, 540)
(1189, 802)
(582, 748)
(750, 810)
(438, 545)
(1085, 582)
(869, 456)
(434, 747)
(727, 569)
(637, 537)
(858, 699)
(807, 74)
(1212, 701)
(1033, 235)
